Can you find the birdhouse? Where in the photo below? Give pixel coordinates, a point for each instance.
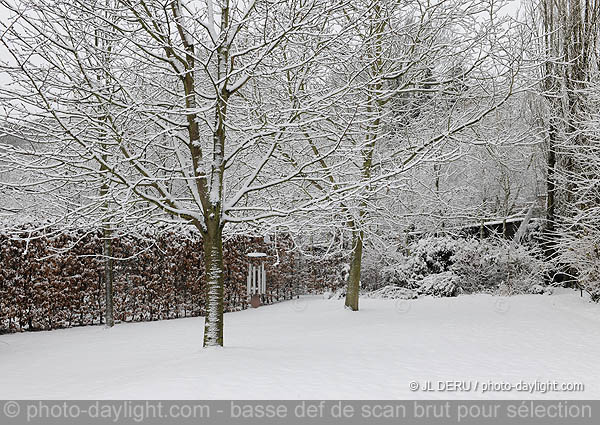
(257, 277)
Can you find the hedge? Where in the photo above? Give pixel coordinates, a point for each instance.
(50, 281)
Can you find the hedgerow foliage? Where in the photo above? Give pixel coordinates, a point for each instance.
(50, 281)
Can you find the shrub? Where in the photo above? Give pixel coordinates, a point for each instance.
(470, 264)
(443, 284)
(499, 266)
(429, 255)
(582, 255)
(52, 281)
(393, 292)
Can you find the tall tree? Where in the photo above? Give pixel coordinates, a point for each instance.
(567, 34)
(410, 97)
(189, 129)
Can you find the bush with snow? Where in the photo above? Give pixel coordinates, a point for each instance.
(499, 266)
(337, 294)
(470, 265)
(428, 255)
(582, 254)
(443, 284)
(393, 292)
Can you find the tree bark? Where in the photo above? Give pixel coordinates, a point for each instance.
(551, 191)
(108, 279)
(354, 275)
(213, 257)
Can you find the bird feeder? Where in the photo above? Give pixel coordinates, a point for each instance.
(257, 277)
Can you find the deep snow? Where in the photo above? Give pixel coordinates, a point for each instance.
(313, 348)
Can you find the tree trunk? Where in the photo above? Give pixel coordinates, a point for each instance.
(374, 108)
(551, 191)
(213, 257)
(108, 279)
(354, 275)
(107, 252)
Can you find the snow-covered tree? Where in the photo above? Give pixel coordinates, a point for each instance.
(422, 76)
(195, 121)
(567, 58)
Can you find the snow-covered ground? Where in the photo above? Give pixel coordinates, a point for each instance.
(313, 348)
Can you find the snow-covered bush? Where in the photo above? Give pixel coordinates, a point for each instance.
(401, 274)
(434, 254)
(499, 266)
(582, 254)
(337, 294)
(429, 255)
(393, 292)
(470, 264)
(443, 284)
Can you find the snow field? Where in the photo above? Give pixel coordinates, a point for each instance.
(312, 348)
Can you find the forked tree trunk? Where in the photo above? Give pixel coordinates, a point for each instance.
(374, 108)
(213, 257)
(354, 275)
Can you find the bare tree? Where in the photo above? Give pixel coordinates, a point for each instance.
(187, 126)
(409, 98)
(567, 54)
